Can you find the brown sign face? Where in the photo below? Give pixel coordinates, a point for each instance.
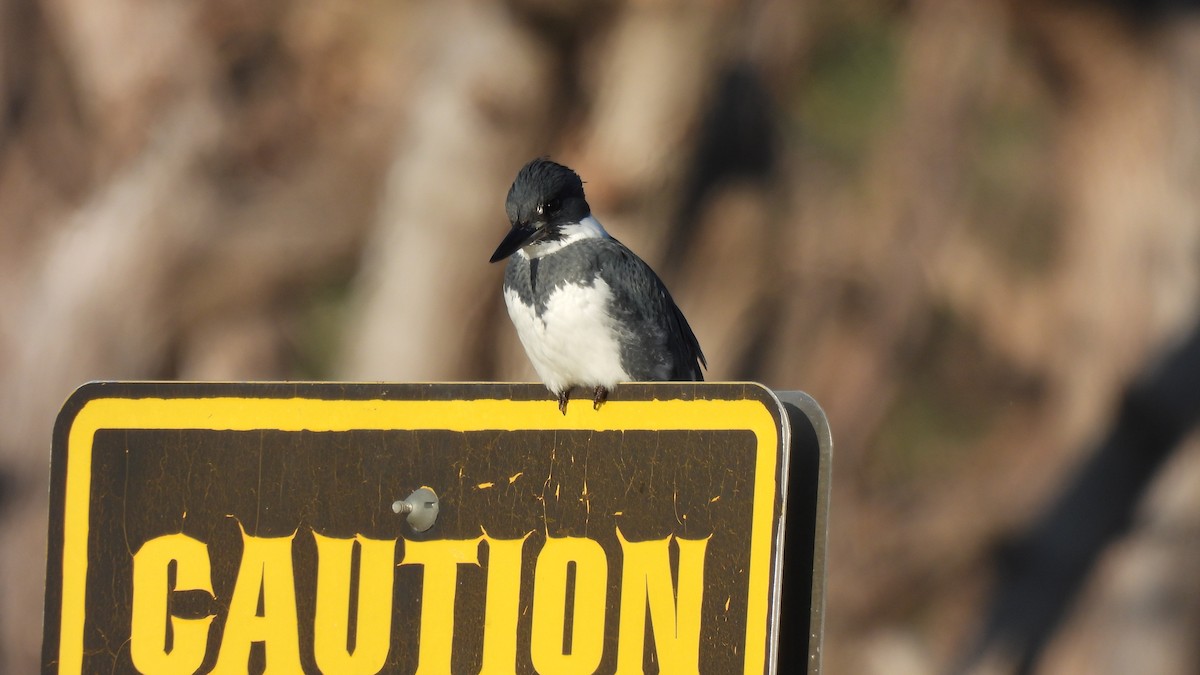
(249, 527)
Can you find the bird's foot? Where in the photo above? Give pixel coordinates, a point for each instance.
(599, 396)
(563, 397)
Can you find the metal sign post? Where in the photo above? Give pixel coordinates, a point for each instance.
(400, 528)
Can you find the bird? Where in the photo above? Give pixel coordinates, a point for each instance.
(588, 311)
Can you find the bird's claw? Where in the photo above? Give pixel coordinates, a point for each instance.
(599, 397)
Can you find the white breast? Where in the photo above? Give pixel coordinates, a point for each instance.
(574, 342)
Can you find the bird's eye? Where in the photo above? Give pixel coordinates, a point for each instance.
(552, 207)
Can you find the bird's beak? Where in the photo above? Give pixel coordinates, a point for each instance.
(518, 237)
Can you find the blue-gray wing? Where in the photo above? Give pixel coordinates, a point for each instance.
(657, 343)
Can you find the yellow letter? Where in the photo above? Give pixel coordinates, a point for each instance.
(376, 574)
(550, 606)
(503, 605)
(148, 629)
(674, 616)
(266, 569)
(441, 560)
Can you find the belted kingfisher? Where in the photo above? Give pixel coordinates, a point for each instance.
(588, 311)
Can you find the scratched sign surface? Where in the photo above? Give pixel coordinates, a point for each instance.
(248, 527)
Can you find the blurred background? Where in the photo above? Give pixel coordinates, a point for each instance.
(969, 229)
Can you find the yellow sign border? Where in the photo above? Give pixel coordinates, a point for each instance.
(240, 413)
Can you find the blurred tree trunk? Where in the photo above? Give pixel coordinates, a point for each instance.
(426, 294)
(1129, 162)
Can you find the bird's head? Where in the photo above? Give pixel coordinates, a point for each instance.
(545, 198)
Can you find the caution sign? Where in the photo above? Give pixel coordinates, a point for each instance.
(233, 528)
